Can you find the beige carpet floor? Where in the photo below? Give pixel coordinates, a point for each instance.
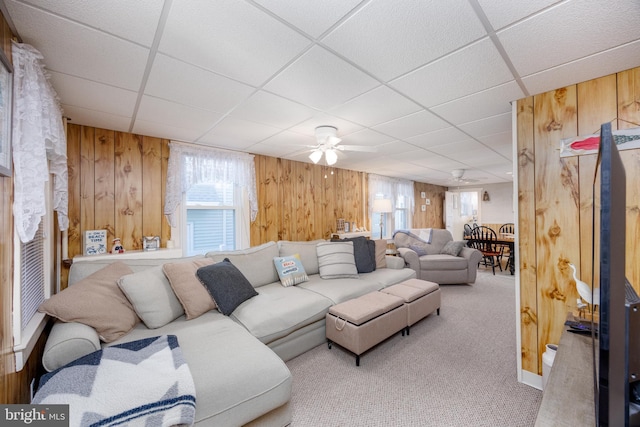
(456, 369)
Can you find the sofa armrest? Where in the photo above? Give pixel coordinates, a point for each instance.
(67, 342)
(394, 262)
(411, 258)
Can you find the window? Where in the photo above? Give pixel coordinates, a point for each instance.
(33, 283)
(217, 192)
(212, 218)
(400, 193)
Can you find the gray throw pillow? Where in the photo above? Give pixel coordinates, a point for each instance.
(364, 251)
(226, 284)
(336, 260)
(453, 247)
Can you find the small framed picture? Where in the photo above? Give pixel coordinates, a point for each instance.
(423, 195)
(423, 208)
(151, 243)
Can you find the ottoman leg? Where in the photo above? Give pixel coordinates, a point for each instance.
(357, 360)
(329, 344)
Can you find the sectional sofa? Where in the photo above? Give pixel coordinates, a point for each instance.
(237, 361)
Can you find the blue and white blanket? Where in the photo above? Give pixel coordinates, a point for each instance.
(139, 383)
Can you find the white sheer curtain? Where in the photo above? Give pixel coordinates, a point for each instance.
(189, 165)
(393, 189)
(37, 136)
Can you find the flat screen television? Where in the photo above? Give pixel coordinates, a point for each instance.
(618, 370)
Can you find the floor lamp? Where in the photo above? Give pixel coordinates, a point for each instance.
(381, 206)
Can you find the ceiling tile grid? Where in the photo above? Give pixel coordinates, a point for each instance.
(428, 84)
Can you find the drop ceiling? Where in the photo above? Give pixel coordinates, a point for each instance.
(428, 83)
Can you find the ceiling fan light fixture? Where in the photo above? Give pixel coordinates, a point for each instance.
(315, 156)
(331, 156)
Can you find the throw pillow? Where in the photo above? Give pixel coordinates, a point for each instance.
(453, 247)
(226, 284)
(336, 260)
(290, 270)
(419, 248)
(381, 253)
(151, 295)
(363, 253)
(192, 295)
(96, 301)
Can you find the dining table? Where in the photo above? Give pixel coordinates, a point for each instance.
(505, 239)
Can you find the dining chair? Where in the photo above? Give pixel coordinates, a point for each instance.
(507, 228)
(485, 240)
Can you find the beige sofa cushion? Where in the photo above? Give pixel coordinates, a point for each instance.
(96, 301)
(336, 260)
(256, 263)
(151, 295)
(190, 291)
(306, 251)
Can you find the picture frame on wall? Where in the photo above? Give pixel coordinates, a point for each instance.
(6, 106)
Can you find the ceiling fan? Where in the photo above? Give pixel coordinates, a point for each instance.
(457, 176)
(328, 144)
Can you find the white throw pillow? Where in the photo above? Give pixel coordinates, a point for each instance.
(336, 260)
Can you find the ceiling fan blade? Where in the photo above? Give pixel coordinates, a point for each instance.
(362, 148)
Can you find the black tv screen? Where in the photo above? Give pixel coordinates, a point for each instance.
(613, 384)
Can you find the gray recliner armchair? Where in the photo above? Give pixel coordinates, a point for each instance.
(426, 251)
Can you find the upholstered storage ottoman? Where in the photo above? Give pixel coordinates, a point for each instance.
(421, 298)
(361, 323)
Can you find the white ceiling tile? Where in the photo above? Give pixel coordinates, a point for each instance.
(380, 105)
(438, 137)
(321, 119)
(483, 104)
(237, 134)
(312, 17)
(602, 64)
(287, 142)
(160, 111)
(321, 80)
(571, 30)
(93, 96)
(263, 107)
(232, 38)
(366, 137)
(488, 126)
(132, 20)
(76, 50)
(500, 142)
(412, 125)
(504, 12)
(165, 130)
(186, 84)
(390, 40)
(86, 117)
(472, 69)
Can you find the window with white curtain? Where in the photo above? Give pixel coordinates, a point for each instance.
(218, 195)
(400, 193)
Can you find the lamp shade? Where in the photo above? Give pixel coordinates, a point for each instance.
(331, 156)
(381, 206)
(315, 156)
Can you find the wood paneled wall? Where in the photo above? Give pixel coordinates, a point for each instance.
(555, 200)
(116, 183)
(433, 217)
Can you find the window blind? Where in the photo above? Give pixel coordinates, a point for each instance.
(31, 276)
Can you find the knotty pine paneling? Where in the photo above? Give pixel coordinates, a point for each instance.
(555, 200)
(526, 234)
(433, 217)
